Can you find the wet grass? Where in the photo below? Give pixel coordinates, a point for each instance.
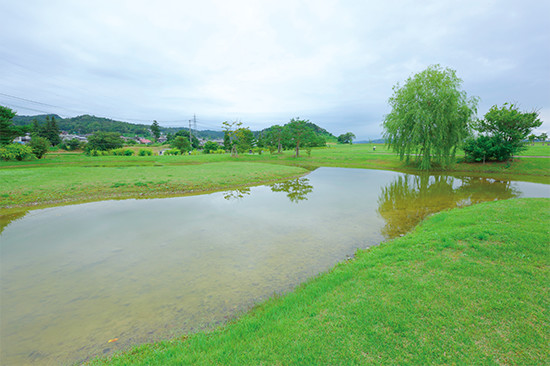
(466, 287)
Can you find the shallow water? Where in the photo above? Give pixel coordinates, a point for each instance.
(74, 277)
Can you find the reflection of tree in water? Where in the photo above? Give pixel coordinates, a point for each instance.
(410, 198)
(236, 194)
(296, 189)
(5, 220)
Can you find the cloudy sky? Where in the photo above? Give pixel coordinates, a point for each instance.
(264, 62)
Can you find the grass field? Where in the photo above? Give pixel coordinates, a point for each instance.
(74, 177)
(44, 185)
(467, 287)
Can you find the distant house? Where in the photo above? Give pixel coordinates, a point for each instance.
(23, 139)
(162, 139)
(144, 141)
(68, 137)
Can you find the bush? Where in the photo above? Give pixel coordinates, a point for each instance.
(39, 146)
(73, 144)
(16, 152)
(172, 152)
(209, 147)
(96, 152)
(485, 148)
(145, 152)
(122, 152)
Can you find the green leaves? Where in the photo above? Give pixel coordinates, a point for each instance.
(430, 117)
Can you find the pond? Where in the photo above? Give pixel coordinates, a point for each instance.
(75, 277)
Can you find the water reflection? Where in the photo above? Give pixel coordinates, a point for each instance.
(236, 194)
(410, 198)
(5, 219)
(296, 189)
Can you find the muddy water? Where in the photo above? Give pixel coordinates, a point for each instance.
(74, 277)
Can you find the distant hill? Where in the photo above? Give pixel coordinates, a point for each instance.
(377, 141)
(86, 124)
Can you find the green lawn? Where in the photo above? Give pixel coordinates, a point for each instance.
(108, 179)
(466, 287)
(70, 177)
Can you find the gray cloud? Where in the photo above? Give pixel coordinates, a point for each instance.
(331, 62)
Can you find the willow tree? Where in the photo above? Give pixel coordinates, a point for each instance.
(430, 117)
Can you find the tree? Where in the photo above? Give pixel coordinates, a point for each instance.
(104, 141)
(210, 146)
(509, 127)
(7, 132)
(39, 146)
(300, 134)
(182, 144)
(49, 130)
(194, 140)
(346, 138)
(532, 137)
(155, 130)
(543, 137)
(244, 138)
(430, 117)
(274, 137)
(229, 129)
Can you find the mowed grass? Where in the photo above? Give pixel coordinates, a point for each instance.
(74, 182)
(466, 287)
(70, 177)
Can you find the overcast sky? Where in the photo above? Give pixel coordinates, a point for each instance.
(265, 62)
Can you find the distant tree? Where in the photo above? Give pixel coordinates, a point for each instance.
(274, 137)
(543, 137)
(430, 117)
(210, 146)
(508, 127)
(155, 130)
(104, 141)
(230, 129)
(226, 141)
(181, 143)
(194, 140)
(346, 138)
(532, 137)
(39, 146)
(73, 144)
(244, 139)
(7, 131)
(50, 131)
(300, 134)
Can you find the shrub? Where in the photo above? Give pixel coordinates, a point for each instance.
(485, 148)
(16, 152)
(145, 152)
(39, 146)
(172, 152)
(122, 152)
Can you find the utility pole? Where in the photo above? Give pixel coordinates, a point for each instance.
(190, 139)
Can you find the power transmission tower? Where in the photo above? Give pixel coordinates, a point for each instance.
(190, 133)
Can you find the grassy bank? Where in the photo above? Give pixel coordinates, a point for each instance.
(47, 184)
(468, 286)
(69, 177)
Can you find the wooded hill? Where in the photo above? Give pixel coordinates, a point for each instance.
(87, 124)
